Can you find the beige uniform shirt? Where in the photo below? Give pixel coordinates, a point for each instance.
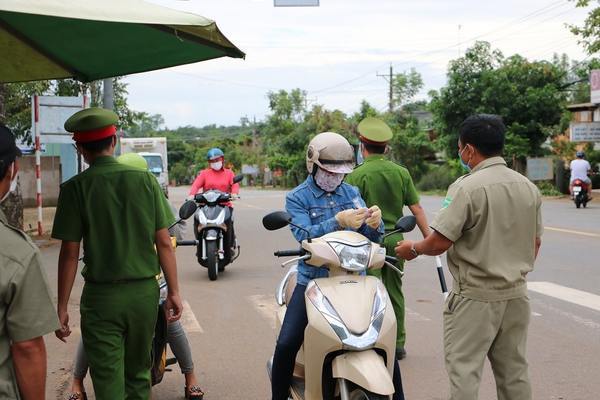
(493, 217)
(26, 304)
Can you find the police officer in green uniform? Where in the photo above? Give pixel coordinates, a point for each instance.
(390, 186)
(490, 223)
(26, 306)
(121, 215)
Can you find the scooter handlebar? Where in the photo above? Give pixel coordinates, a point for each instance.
(290, 253)
(187, 242)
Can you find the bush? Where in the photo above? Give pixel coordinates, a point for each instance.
(439, 177)
(548, 189)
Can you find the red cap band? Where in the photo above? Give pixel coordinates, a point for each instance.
(96, 134)
(367, 141)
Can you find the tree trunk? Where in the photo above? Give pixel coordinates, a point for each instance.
(12, 206)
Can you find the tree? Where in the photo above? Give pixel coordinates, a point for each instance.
(528, 96)
(405, 87)
(590, 31)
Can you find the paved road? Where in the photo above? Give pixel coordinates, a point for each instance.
(230, 321)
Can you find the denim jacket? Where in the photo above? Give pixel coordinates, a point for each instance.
(314, 209)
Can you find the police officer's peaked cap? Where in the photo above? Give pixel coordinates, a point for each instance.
(374, 131)
(92, 124)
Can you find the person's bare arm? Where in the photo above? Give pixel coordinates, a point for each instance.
(67, 269)
(29, 361)
(433, 245)
(538, 244)
(168, 264)
(419, 214)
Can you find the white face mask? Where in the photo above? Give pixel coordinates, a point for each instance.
(216, 165)
(13, 183)
(328, 181)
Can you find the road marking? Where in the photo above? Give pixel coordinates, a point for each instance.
(415, 316)
(188, 319)
(266, 306)
(536, 314)
(580, 320)
(590, 234)
(564, 293)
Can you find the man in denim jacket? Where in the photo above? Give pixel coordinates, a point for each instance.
(321, 204)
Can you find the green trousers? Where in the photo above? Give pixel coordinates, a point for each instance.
(476, 329)
(393, 284)
(117, 326)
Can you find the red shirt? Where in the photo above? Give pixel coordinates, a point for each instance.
(221, 180)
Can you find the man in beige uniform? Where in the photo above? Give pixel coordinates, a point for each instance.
(26, 305)
(490, 223)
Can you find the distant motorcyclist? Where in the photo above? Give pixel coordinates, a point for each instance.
(580, 168)
(217, 177)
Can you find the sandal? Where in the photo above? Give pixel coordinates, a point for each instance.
(193, 393)
(77, 396)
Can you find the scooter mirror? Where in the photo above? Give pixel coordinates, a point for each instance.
(187, 209)
(238, 178)
(276, 220)
(406, 223)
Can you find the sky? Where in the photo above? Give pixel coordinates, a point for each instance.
(336, 51)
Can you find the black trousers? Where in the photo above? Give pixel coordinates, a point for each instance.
(289, 342)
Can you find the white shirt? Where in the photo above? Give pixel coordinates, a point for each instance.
(579, 169)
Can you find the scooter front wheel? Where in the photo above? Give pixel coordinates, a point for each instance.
(212, 259)
(363, 394)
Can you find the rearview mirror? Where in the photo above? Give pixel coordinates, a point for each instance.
(187, 209)
(406, 224)
(276, 220)
(238, 178)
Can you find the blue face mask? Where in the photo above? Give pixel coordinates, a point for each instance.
(462, 163)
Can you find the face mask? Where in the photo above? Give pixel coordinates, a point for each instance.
(13, 183)
(328, 181)
(465, 165)
(216, 165)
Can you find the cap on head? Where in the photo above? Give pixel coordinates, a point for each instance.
(580, 154)
(331, 152)
(374, 131)
(214, 153)
(133, 160)
(92, 124)
(8, 148)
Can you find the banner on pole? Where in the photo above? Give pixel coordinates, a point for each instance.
(53, 111)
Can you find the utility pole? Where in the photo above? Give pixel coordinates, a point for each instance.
(108, 101)
(390, 79)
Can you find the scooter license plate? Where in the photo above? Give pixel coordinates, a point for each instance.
(576, 189)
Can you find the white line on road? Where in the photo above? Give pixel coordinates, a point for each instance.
(564, 293)
(590, 234)
(415, 316)
(188, 319)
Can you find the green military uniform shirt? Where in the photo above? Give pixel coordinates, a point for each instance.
(116, 209)
(493, 217)
(26, 304)
(386, 184)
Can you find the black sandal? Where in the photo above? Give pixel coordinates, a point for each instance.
(192, 393)
(77, 396)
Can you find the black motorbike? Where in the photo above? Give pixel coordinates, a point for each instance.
(213, 228)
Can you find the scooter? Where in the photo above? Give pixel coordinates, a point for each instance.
(580, 193)
(160, 362)
(350, 340)
(216, 247)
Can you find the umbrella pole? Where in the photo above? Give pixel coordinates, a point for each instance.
(440, 271)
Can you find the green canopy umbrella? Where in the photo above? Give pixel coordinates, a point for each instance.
(94, 39)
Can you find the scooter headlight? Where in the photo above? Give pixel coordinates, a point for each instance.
(350, 340)
(352, 258)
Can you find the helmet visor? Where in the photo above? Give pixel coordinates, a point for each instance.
(336, 167)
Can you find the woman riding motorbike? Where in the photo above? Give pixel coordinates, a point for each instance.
(323, 203)
(217, 177)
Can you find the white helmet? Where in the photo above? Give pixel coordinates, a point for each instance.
(330, 151)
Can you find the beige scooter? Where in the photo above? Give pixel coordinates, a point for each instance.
(350, 340)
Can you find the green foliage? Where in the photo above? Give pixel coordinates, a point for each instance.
(410, 145)
(548, 189)
(438, 177)
(405, 86)
(589, 32)
(527, 94)
(17, 105)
